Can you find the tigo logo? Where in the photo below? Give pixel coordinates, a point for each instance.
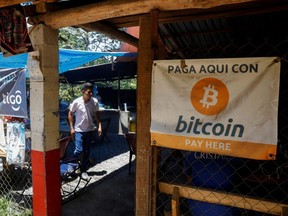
(14, 100)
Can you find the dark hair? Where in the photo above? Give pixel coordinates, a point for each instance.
(87, 85)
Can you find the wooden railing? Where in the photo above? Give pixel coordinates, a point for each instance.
(210, 196)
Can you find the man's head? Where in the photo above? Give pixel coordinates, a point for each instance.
(86, 86)
(87, 91)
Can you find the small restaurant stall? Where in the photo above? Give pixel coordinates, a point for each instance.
(116, 104)
(203, 48)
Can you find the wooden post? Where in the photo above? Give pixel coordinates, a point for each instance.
(44, 105)
(284, 211)
(224, 198)
(175, 202)
(144, 149)
(154, 44)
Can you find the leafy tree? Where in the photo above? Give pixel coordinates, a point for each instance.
(78, 39)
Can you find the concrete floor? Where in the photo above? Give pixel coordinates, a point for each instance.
(110, 197)
(111, 190)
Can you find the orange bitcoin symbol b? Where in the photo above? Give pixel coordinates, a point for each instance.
(209, 96)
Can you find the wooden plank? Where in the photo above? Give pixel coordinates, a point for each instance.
(213, 13)
(175, 202)
(41, 7)
(111, 32)
(155, 164)
(154, 28)
(5, 3)
(144, 148)
(284, 211)
(223, 198)
(120, 8)
(154, 40)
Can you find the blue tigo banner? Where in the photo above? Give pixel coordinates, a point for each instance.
(13, 92)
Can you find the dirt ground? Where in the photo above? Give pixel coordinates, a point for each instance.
(111, 190)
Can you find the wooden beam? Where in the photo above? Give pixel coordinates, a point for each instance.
(110, 31)
(119, 8)
(124, 22)
(144, 148)
(210, 196)
(284, 211)
(6, 3)
(175, 202)
(154, 26)
(197, 14)
(41, 7)
(223, 12)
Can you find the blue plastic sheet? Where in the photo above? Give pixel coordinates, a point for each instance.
(68, 59)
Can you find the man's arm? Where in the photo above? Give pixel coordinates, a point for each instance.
(70, 120)
(99, 124)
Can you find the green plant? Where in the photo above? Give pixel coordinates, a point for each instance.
(6, 206)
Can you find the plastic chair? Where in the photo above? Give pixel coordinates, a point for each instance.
(131, 140)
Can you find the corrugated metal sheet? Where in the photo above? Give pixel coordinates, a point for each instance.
(193, 39)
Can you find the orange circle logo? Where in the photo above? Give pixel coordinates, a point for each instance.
(209, 96)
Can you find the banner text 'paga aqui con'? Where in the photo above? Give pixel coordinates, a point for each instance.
(222, 106)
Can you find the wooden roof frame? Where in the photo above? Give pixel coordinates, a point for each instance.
(120, 14)
(116, 9)
(124, 13)
(108, 16)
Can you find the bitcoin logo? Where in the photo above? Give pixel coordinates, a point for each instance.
(209, 96)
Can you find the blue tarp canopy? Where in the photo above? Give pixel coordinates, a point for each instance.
(68, 59)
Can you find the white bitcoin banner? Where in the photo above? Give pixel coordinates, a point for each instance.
(224, 106)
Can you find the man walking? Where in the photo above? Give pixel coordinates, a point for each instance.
(84, 108)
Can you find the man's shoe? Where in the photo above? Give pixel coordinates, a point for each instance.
(84, 176)
(77, 171)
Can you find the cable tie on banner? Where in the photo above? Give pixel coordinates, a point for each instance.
(278, 59)
(272, 156)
